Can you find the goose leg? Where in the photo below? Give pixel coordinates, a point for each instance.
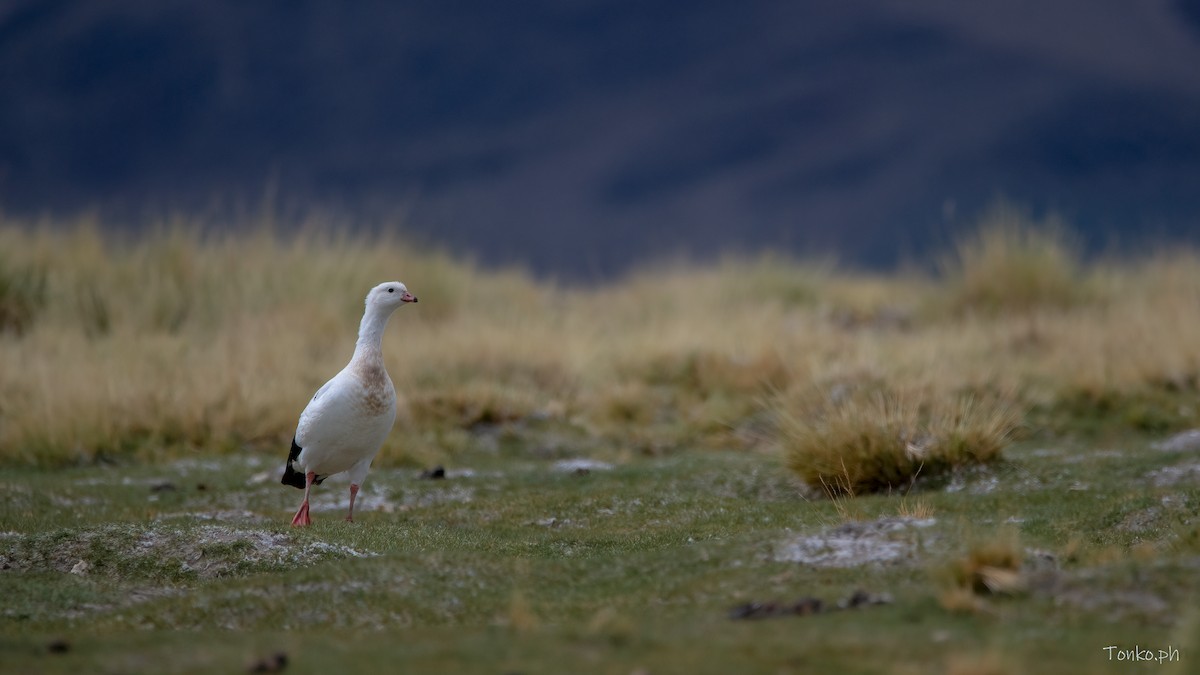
(353, 494)
(301, 519)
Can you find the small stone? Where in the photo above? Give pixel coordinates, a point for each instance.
(436, 473)
(861, 598)
(58, 646)
(274, 663)
(765, 610)
(752, 610)
(807, 606)
(1187, 441)
(81, 568)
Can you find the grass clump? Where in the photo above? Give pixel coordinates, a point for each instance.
(991, 566)
(22, 296)
(879, 440)
(1012, 264)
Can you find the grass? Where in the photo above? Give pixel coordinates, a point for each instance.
(520, 565)
(755, 430)
(22, 296)
(1011, 263)
(991, 566)
(180, 340)
(872, 440)
(177, 340)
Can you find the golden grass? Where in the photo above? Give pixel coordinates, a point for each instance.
(1011, 263)
(855, 439)
(990, 566)
(178, 339)
(22, 294)
(917, 509)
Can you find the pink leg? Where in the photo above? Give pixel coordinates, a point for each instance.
(353, 494)
(301, 519)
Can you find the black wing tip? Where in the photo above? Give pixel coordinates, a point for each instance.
(291, 476)
(294, 453)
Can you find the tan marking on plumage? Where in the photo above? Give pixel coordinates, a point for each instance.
(378, 392)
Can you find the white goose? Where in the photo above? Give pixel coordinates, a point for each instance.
(347, 420)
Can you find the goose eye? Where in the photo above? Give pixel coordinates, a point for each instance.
(391, 290)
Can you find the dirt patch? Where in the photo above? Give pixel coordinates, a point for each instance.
(581, 464)
(1141, 520)
(164, 550)
(1173, 475)
(883, 541)
(1186, 441)
(242, 516)
(1114, 606)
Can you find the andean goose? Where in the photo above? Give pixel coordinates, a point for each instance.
(347, 420)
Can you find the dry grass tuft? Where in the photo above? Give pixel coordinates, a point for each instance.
(1013, 264)
(856, 445)
(990, 566)
(917, 509)
(873, 439)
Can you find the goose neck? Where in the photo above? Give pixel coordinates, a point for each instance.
(370, 335)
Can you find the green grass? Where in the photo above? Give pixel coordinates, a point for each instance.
(520, 566)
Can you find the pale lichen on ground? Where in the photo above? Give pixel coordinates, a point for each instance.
(204, 551)
(884, 541)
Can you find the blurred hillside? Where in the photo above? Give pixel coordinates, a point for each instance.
(579, 136)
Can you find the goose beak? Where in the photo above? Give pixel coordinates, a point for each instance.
(408, 297)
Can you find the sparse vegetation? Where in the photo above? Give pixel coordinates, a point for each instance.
(149, 396)
(513, 563)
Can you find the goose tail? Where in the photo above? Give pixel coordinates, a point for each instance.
(290, 475)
